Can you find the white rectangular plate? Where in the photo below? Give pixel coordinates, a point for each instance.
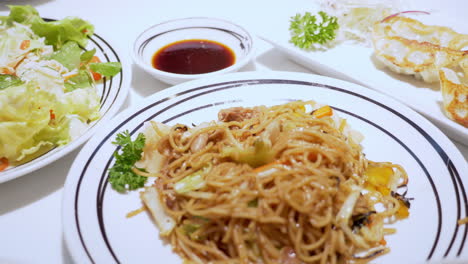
(357, 63)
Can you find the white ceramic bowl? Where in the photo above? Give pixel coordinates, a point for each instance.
(158, 36)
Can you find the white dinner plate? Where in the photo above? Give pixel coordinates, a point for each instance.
(112, 91)
(356, 63)
(94, 215)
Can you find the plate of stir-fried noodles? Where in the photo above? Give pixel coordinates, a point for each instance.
(267, 168)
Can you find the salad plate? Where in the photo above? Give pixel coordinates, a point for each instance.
(357, 63)
(112, 92)
(97, 230)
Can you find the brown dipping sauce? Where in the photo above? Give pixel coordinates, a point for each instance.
(194, 56)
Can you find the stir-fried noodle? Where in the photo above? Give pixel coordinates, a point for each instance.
(270, 185)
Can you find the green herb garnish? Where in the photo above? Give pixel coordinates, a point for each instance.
(307, 30)
(121, 176)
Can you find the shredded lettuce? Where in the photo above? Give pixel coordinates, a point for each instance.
(48, 88)
(56, 33)
(106, 68)
(22, 14)
(87, 56)
(33, 118)
(26, 121)
(83, 102)
(7, 80)
(69, 55)
(82, 80)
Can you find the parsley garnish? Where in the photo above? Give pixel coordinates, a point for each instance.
(307, 30)
(121, 176)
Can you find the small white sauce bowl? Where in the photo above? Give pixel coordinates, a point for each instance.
(158, 36)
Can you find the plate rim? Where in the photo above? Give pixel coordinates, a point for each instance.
(73, 242)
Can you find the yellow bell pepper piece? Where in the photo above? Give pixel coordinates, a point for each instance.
(322, 112)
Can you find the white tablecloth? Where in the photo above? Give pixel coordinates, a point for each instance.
(30, 206)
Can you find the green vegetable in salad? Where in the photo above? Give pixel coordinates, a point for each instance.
(106, 68)
(7, 80)
(82, 80)
(69, 55)
(307, 30)
(121, 176)
(56, 33)
(87, 56)
(47, 88)
(26, 122)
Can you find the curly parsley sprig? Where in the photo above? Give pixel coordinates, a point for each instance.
(121, 176)
(307, 30)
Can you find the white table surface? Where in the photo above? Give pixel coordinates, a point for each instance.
(30, 206)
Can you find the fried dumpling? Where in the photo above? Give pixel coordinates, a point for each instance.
(454, 87)
(408, 46)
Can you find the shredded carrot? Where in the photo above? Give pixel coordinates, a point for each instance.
(383, 242)
(312, 156)
(25, 44)
(96, 76)
(322, 111)
(3, 163)
(95, 59)
(70, 75)
(52, 115)
(6, 71)
(266, 166)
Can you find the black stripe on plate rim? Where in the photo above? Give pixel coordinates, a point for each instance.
(233, 33)
(457, 197)
(252, 82)
(105, 91)
(454, 170)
